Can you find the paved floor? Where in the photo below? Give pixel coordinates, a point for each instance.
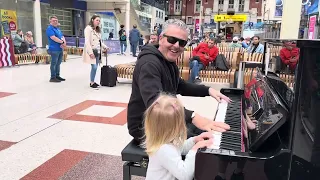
(66, 130)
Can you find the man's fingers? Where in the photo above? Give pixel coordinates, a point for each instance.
(221, 125)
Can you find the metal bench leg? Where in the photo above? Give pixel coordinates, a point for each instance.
(126, 171)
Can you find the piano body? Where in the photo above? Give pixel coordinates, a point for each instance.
(275, 132)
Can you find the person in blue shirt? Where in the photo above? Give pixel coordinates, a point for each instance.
(56, 43)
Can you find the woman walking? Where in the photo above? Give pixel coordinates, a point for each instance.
(93, 47)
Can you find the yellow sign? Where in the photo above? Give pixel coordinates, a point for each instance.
(8, 21)
(225, 18)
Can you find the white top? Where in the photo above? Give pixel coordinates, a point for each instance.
(167, 164)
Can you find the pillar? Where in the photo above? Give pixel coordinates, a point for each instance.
(290, 19)
(127, 25)
(37, 23)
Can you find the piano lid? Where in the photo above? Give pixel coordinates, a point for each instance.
(273, 116)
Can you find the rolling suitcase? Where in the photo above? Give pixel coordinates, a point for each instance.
(108, 75)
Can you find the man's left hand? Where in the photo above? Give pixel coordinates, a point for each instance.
(217, 95)
(209, 125)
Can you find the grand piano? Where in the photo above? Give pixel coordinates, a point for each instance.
(275, 134)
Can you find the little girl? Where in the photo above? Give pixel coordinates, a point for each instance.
(166, 140)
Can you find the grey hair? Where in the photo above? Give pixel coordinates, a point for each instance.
(175, 22)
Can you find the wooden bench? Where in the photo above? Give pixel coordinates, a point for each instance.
(125, 70)
(28, 58)
(74, 50)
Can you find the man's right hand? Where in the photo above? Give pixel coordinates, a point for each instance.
(92, 56)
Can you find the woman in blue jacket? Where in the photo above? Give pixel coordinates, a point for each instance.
(255, 47)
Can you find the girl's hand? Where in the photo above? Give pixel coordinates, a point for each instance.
(203, 136)
(202, 144)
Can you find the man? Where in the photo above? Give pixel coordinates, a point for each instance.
(123, 40)
(235, 43)
(256, 47)
(156, 71)
(153, 39)
(290, 55)
(57, 43)
(203, 54)
(134, 37)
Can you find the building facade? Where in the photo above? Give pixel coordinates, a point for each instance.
(189, 11)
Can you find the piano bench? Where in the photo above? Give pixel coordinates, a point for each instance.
(136, 161)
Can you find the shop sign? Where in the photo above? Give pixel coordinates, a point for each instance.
(8, 21)
(225, 18)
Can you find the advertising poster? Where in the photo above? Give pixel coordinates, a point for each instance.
(312, 25)
(197, 26)
(9, 23)
(279, 8)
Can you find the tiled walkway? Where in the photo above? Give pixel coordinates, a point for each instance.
(66, 130)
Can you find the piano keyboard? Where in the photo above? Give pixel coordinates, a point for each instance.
(229, 113)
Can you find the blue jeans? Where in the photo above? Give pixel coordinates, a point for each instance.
(56, 59)
(94, 70)
(195, 67)
(134, 46)
(123, 46)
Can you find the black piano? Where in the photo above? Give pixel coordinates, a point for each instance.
(275, 132)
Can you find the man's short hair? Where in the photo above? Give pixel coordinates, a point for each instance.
(175, 22)
(121, 26)
(53, 17)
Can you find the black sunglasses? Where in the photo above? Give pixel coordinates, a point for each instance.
(173, 40)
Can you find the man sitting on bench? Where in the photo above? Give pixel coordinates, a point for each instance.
(203, 54)
(156, 72)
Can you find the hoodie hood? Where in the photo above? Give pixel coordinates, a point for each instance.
(151, 50)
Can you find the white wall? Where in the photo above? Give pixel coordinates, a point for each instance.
(270, 11)
(155, 19)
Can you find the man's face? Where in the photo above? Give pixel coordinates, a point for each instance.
(289, 47)
(255, 40)
(210, 43)
(54, 22)
(154, 39)
(172, 42)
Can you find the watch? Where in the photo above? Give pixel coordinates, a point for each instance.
(193, 115)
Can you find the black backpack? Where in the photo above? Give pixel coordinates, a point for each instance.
(221, 63)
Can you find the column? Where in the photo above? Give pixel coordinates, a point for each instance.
(290, 19)
(37, 23)
(127, 25)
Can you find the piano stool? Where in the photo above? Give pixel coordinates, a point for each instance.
(136, 161)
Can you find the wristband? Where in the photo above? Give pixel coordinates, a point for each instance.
(62, 42)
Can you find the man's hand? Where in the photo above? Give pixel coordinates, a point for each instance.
(209, 125)
(292, 60)
(217, 95)
(92, 56)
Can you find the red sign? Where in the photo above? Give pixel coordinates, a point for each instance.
(197, 25)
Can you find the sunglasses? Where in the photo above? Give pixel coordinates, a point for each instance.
(174, 40)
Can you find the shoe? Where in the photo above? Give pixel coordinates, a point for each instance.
(60, 78)
(94, 85)
(98, 85)
(54, 80)
(135, 56)
(197, 81)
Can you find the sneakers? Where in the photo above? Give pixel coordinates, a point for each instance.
(94, 85)
(60, 78)
(55, 80)
(197, 80)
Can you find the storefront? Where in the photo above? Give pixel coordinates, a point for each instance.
(109, 24)
(20, 12)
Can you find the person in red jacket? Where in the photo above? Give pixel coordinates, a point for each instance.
(290, 55)
(202, 55)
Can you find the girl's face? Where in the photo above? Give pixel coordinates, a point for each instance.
(96, 22)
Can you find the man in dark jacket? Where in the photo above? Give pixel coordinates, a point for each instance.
(134, 37)
(156, 71)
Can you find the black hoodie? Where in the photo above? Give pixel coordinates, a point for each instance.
(152, 75)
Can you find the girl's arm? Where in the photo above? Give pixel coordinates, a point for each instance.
(170, 159)
(188, 144)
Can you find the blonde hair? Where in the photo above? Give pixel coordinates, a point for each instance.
(164, 123)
